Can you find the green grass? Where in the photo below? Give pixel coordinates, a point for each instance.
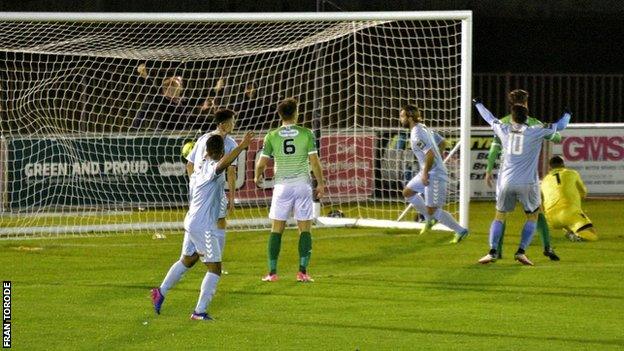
(375, 289)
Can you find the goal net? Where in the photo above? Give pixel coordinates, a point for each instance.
(96, 110)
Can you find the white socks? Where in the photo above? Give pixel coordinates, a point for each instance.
(174, 275)
(208, 289)
(448, 220)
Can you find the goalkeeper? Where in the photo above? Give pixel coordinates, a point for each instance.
(562, 191)
(520, 97)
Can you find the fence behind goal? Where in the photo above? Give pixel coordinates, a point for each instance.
(96, 109)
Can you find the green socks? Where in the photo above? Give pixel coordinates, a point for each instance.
(305, 250)
(542, 227)
(499, 249)
(275, 243)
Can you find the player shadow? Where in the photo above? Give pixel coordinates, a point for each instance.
(452, 285)
(442, 332)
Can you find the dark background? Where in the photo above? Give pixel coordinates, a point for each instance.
(529, 36)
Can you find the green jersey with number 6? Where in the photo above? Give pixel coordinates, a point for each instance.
(290, 147)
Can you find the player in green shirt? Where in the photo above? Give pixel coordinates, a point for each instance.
(520, 96)
(293, 149)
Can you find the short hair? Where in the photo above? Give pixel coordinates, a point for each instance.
(556, 162)
(214, 145)
(412, 111)
(519, 113)
(170, 80)
(518, 96)
(223, 115)
(287, 108)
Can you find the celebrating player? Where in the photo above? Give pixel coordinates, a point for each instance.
(520, 97)
(225, 121)
(293, 149)
(562, 190)
(517, 178)
(433, 177)
(203, 240)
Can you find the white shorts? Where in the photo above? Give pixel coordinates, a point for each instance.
(435, 192)
(208, 245)
(527, 194)
(295, 197)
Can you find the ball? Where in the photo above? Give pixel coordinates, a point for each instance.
(187, 147)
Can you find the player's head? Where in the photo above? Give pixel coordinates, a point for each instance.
(556, 162)
(250, 89)
(287, 110)
(172, 86)
(225, 120)
(214, 146)
(519, 113)
(409, 115)
(518, 97)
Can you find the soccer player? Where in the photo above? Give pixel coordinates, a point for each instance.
(521, 97)
(293, 149)
(433, 177)
(517, 178)
(203, 240)
(562, 190)
(225, 121)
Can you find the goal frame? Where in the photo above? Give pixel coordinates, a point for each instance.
(465, 91)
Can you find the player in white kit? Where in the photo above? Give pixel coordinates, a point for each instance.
(225, 120)
(517, 179)
(432, 179)
(203, 240)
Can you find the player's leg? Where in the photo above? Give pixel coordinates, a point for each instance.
(281, 204)
(435, 199)
(581, 225)
(496, 229)
(542, 228)
(499, 249)
(211, 256)
(412, 191)
(505, 202)
(303, 213)
(530, 198)
(188, 258)
(222, 221)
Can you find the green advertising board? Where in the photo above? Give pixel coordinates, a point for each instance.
(109, 172)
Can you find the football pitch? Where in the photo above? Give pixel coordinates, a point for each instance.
(375, 289)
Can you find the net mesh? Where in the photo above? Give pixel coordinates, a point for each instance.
(94, 115)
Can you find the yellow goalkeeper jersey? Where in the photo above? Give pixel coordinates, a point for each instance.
(563, 188)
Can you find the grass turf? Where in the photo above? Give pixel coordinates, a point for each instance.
(375, 289)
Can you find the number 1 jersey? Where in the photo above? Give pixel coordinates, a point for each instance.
(290, 147)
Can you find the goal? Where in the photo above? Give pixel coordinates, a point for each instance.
(96, 108)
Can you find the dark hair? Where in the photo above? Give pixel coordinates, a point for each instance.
(214, 146)
(556, 162)
(412, 111)
(287, 108)
(518, 96)
(519, 113)
(223, 115)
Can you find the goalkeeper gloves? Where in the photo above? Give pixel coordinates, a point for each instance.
(477, 100)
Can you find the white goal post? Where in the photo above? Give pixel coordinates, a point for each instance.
(95, 109)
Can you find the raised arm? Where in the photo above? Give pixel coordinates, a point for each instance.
(484, 112)
(226, 160)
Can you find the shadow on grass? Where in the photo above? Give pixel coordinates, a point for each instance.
(414, 330)
(473, 287)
